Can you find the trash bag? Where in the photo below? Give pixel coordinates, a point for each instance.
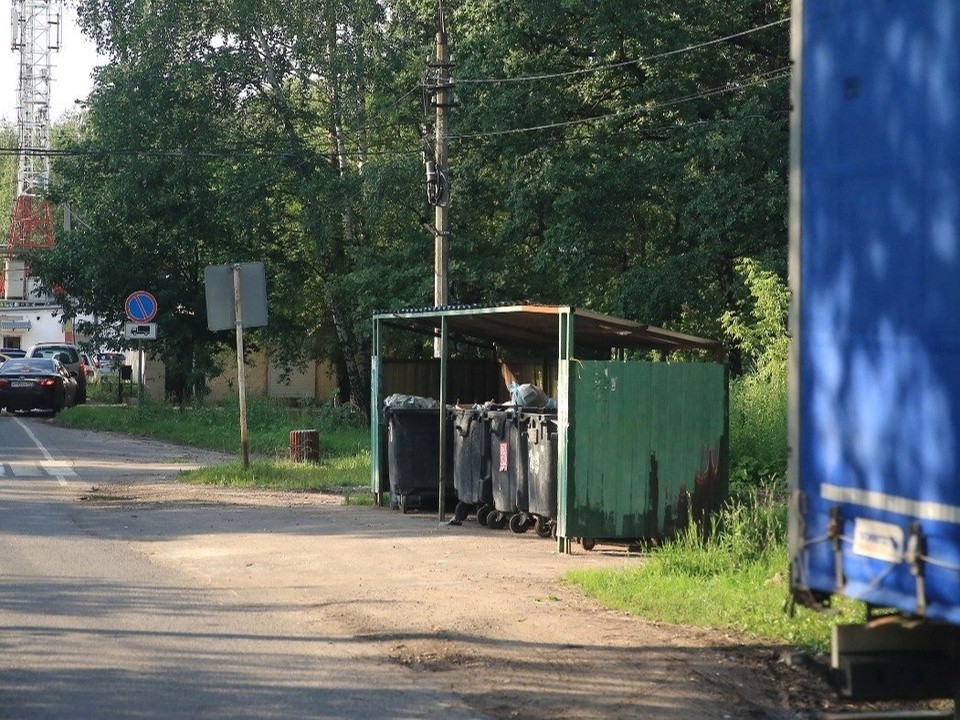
(411, 401)
(527, 395)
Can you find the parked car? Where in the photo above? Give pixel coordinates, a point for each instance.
(110, 363)
(37, 384)
(72, 362)
(13, 352)
(92, 371)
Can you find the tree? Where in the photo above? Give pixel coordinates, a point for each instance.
(627, 159)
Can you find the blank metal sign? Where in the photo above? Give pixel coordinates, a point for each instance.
(218, 280)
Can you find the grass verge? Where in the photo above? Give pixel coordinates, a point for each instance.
(735, 580)
(344, 440)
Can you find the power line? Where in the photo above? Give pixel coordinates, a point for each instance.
(184, 154)
(539, 142)
(770, 76)
(598, 68)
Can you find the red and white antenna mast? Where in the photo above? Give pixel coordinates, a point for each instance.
(35, 34)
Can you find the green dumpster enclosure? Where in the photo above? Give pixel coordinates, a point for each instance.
(642, 446)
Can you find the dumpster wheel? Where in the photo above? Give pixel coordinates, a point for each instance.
(461, 511)
(519, 523)
(496, 520)
(544, 528)
(587, 543)
(403, 504)
(483, 514)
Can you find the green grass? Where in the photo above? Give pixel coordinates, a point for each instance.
(736, 579)
(344, 440)
(329, 473)
(751, 601)
(218, 426)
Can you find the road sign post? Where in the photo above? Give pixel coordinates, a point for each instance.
(237, 298)
(141, 307)
(241, 371)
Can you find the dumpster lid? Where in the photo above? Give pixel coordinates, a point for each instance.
(533, 324)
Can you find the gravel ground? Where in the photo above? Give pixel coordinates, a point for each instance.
(484, 614)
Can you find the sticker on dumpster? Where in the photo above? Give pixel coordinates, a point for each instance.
(504, 455)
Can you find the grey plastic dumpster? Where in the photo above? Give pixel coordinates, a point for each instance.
(542, 453)
(471, 462)
(413, 441)
(508, 469)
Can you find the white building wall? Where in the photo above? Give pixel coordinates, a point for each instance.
(24, 325)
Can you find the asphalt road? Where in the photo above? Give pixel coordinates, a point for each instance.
(91, 626)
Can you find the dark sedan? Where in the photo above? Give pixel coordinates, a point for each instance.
(36, 384)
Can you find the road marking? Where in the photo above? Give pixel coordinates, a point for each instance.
(46, 453)
(59, 467)
(26, 469)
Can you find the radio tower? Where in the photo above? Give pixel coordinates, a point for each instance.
(36, 35)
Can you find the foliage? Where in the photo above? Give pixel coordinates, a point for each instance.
(640, 161)
(759, 323)
(758, 399)
(8, 174)
(758, 430)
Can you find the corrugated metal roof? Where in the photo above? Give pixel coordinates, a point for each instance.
(533, 324)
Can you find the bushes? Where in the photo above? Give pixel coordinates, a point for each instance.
(758, 399)
(758, 430)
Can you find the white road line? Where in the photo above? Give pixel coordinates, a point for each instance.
(21, 469)
(58, 467)
(46, 453)
(3, 469)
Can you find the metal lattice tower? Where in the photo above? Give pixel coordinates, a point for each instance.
(35, 33)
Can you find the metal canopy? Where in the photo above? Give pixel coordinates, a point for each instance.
(536, 325)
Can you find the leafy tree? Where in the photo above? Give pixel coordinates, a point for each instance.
(8, 174)
(632, 171)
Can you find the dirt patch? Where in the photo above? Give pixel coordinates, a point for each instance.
(167, 494)
(482, 614)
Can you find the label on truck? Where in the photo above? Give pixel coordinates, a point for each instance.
(878, 540)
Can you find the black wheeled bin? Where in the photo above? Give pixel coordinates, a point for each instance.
(471, 462)
(508, 469)
(413, 441)
(542, 454)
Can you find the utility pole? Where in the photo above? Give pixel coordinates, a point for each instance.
(438, 191)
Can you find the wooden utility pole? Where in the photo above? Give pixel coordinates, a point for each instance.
(441, 283)
(438, 189)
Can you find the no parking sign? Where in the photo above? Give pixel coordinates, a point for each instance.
(141, 306)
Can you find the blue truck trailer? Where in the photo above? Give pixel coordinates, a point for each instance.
(875, 320)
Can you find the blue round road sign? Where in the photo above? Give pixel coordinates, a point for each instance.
(141, 306)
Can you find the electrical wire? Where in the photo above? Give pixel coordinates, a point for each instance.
(185, 154)
(540, 142)
(769, 76)
(598, 68)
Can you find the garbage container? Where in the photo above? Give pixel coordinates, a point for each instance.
(304, 446)
(413, 442)
(508, 469)
(471, 462)
(542, 453)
